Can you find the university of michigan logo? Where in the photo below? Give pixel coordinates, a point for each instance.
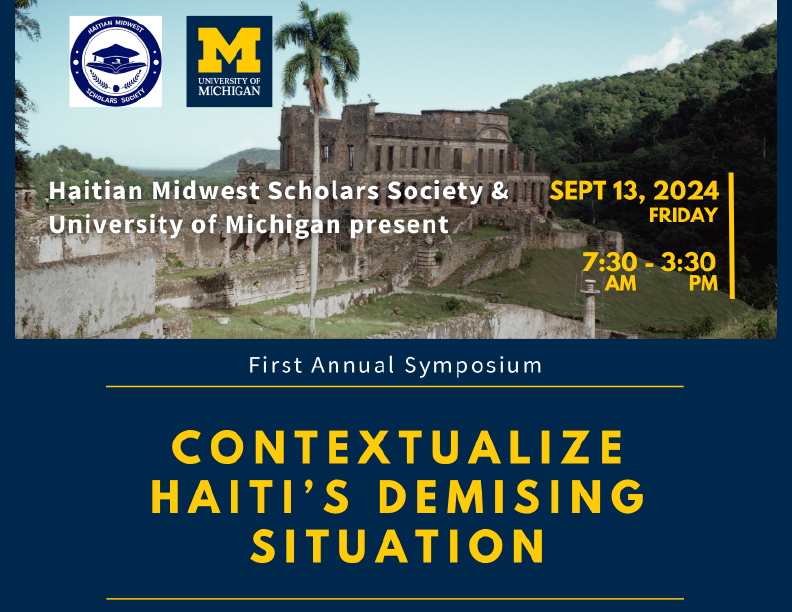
(229, 61)
(115, 61)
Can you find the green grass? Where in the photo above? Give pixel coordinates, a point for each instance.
(661, 306)
(751, 324)
(571, 225)
(376, 317)
(296, 298)
(143, 211)
(490, 231)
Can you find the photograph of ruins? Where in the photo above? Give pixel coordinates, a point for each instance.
(507, 268)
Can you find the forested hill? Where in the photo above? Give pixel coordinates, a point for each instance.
(228, 165)
(74, 168)
(700, 119)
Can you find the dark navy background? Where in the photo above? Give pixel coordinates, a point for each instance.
(710, 459)
(229, 27)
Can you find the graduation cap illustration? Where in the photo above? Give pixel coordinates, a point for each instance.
(115, 60)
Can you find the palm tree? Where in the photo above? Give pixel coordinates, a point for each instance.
(325, 46)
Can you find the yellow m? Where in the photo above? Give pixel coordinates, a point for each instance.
(213, 42)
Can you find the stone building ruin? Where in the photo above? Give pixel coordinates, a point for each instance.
(362, 149)
(366, 148)
(24, 197)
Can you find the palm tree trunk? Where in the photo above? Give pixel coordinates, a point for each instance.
(315, 215)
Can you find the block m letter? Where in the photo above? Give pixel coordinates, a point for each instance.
(213, 42)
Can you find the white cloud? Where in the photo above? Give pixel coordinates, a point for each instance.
(742, 16)
(675, 6)
(703, 27)
(724, 19)
(673, 51)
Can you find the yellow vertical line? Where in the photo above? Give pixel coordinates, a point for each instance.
(732, 283)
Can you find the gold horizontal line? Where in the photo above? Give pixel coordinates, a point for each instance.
(394, 386)
(395, 599)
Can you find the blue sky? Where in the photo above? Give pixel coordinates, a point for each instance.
(415, 55)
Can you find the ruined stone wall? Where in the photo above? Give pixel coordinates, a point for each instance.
(519, 184)
(465, 327)
(43, 246)
(177, 328)
(507, 259)
(233, 287)
(501, 322)
(519, 322)
(467, 148)
(84, 297)
(151, 330)
(199, 251)
(569, 240)
(457, 254)
(329, 305)
(25, 197)
(351, 130)
(544, 237)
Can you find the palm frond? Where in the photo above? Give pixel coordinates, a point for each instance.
(332, 26)
(349, 56)
(309, 17)
(327, 49)
(295, 33)
(334, 68)
(290, 72)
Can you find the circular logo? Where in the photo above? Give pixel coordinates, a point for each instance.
(115, 61)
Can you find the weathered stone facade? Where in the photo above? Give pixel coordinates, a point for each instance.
(456, 147)
(469, 149)
(88, 297)
(24, 196)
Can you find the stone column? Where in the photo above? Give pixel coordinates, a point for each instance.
(250, 242)
(427, 265)
(273, 246)
(590, 318)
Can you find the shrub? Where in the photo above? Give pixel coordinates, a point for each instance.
(173, 261)
(440, 256)
(453, 304)
(753, 324)
(699, 327)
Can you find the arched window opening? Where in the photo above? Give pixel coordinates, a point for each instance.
(250, 183)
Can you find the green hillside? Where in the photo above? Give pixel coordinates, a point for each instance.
(661, 305)
(709, 115)
(74, 167)
(228, 165)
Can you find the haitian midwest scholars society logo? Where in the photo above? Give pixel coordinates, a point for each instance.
(229, 61)
(115, 61)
